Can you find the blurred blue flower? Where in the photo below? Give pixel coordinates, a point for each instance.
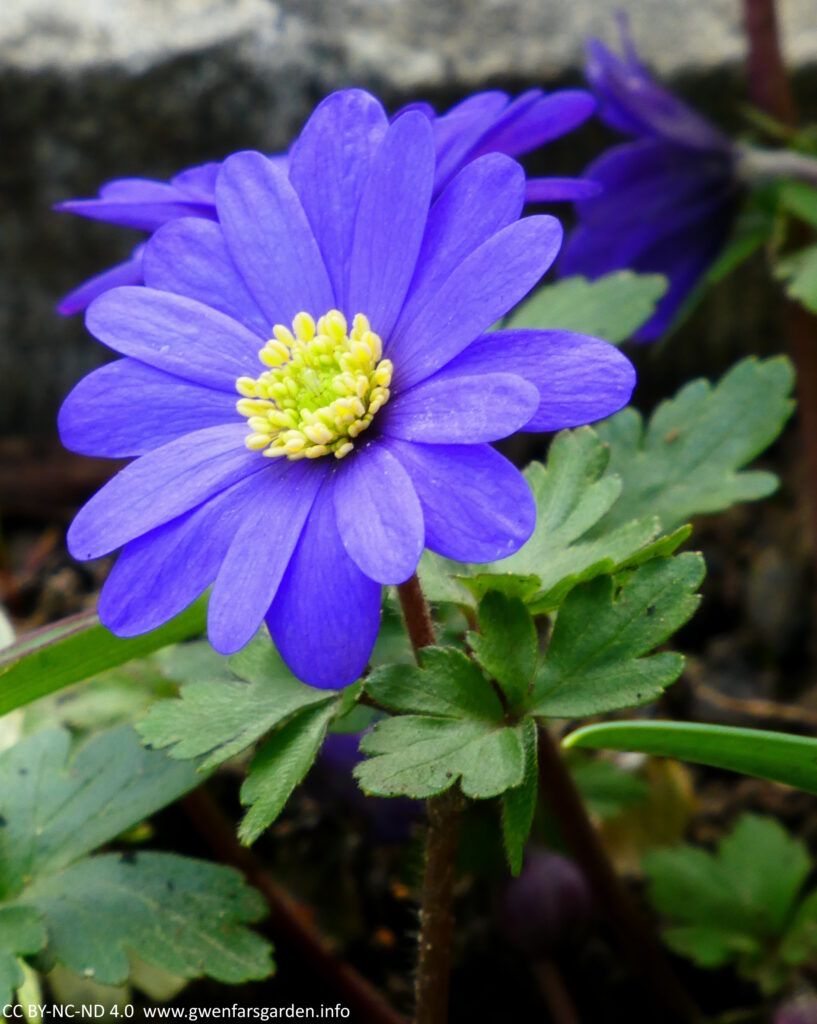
(348, 316)
(668, 199)
(488, 122)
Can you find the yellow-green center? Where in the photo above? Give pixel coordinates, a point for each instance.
(322, 389)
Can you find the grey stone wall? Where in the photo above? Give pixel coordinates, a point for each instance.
(92, 89)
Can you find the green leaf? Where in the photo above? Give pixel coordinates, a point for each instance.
(687, 460)
(605, 788)
(219, 717)
(596, 659)
(451, 726)
(420, 757)
(612, 307)
(778, 756)
(572, 495)
(447, 684)
(185, 916)
(799, 199)
(22, 933)
(55, 808)
(519, 803)
(506, 645)
(732, 905)
(800, 941)
(278, 767)
(80, 647)
(799, 272)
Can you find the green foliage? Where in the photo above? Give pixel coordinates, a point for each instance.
(506, 644)
(738, 905)
(22, 933)
(798, 271)
(778, 756)
(223, 712)
(613, 307)
(596, 660)
(686, 461)
(188, 917)
(616, 496)
(519, 804)
(57, 808)
(78, 648)
(280, 764)
(449, 727)
(226, 705)
(87, 912)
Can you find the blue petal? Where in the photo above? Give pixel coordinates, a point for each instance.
(329, 166)
(559, 190)
(391, 219)
(378, 514)
(270, 239)
(488, 282)
(460, 409)
(128, 272)
(190, 257)
(476, 504)
(483, 198)
(579, 379)
(326, 615)
(259, 553)
(534, 119)
(158, 575)
(161, 485)
(175, 334)
(126, 408)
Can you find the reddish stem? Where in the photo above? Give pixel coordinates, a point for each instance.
(436, 915)
(770, 89)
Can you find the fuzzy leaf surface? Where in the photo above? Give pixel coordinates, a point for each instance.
(245, 697)
(599, 654)
(56, 807)
(279, 765)
(519, 803)
(185, 916)
(450, 726)
(22, 933)
(689, 458)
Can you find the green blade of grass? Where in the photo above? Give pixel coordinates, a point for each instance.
(76, 648)
(778, 756)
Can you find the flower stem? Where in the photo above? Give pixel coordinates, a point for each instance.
(436, 915)
(636, 937)
(771, 91)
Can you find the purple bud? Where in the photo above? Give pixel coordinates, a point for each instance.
(548, 906)
(800, 1010)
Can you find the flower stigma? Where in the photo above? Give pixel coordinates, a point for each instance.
(323, 387)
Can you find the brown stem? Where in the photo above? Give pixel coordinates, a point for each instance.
(415, 612)
(770, 89)
(634, 933)
(290, 919)
(554, 991)
(436, 916)
(768, 81)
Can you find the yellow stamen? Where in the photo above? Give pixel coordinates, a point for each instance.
(321, 389)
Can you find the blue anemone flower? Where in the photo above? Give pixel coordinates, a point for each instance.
(310, 387)
(667, 200)
(488, 122)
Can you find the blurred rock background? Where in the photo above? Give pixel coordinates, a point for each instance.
(94, 89)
